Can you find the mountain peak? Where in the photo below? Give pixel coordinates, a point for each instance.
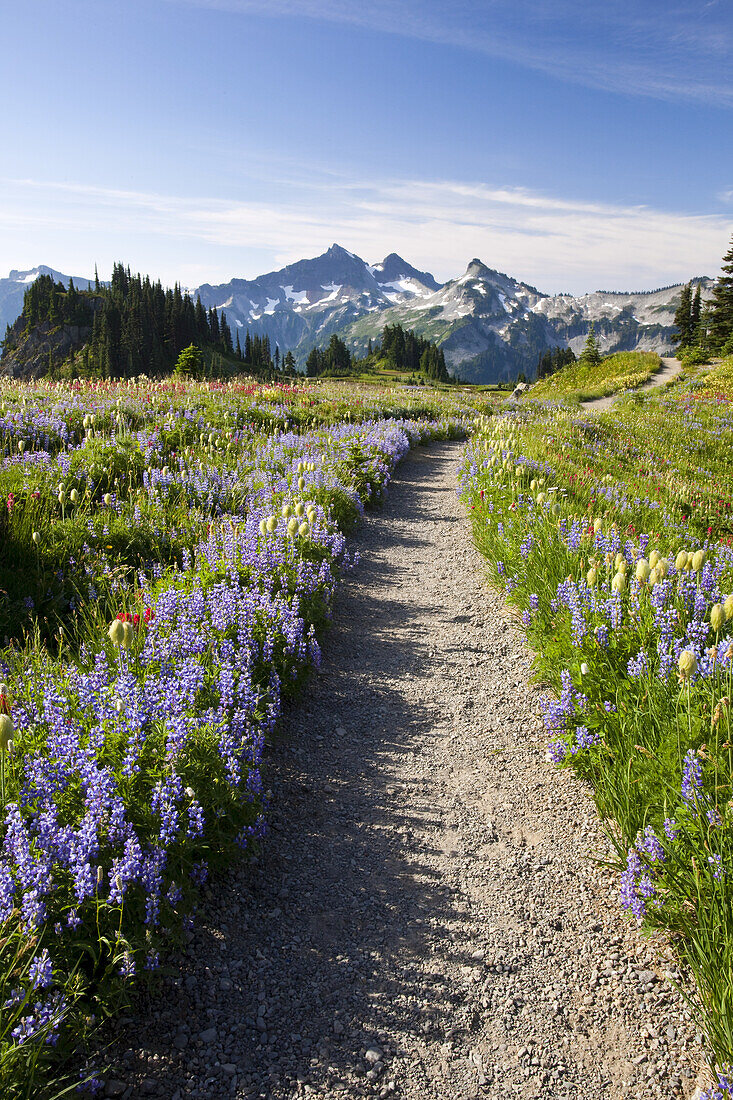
(393, 268)
(478, 267)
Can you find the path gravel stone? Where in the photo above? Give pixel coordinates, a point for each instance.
(424, 920)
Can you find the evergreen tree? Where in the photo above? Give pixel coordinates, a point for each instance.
(314, 363)
(683, 318)
(721, 314)
(695, 313)
(590, 353)
(289, 364)
(190, 362)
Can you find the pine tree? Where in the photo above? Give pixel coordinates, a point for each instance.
(721, 316)
(683, 318)
(590, 353)
(695, 313)
(189, 362)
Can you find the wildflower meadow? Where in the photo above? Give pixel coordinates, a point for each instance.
(168, 561)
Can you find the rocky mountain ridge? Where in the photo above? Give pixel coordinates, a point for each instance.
(490, 325)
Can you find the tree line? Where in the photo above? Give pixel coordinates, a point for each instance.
(400, 349)
(137, 327)
(706, 328)
(553, 360)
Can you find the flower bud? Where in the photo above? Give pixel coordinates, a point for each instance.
(728, 607)
(592, 577)
(263, 526)
(116, 632)
(556, 509)
(74, 496)
(642, 570)
(662, 568)
(299, 509)
(189, 792)
(698, 560)
(119, 706)
(36, 537)
(620, 563)
(62, 498)
(286, 511)
(107, 498)
(301, 483)
(303, 529)
(100, 876)
(533, 484)
(680, 561)
(128, 635)
(584, 670)
(618, 584)
(687, 663)
(6, 732)
(292, 526)
(541, 498)
(654, 577)
(717, 616)
(271, 524)
(654, 559)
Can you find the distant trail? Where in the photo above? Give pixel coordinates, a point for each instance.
(669, 370)
(424, 920)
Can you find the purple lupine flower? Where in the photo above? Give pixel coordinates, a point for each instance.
(691, 778)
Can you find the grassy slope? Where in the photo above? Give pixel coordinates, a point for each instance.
(582, 382)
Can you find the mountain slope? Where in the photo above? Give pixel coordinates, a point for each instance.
(303, 303)
(14, 287)
(491, 326)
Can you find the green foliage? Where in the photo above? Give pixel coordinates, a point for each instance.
(590, 355)
(683, 317)
(721, 315)
(190, 362)
(554, 360)
(334, 360)
(405, 351)
(138, 328)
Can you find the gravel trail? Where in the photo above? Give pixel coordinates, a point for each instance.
(670, 369)
(424, 920)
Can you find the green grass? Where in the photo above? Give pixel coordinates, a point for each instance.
(583, 382)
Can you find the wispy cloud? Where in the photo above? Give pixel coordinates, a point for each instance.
(553, 242)
(661, 49)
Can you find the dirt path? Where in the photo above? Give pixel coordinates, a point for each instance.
(424, 921)
(670, 368)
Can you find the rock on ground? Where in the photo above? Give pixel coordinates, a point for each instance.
(424, 921)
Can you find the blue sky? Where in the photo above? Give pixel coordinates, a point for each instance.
(572, 143)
